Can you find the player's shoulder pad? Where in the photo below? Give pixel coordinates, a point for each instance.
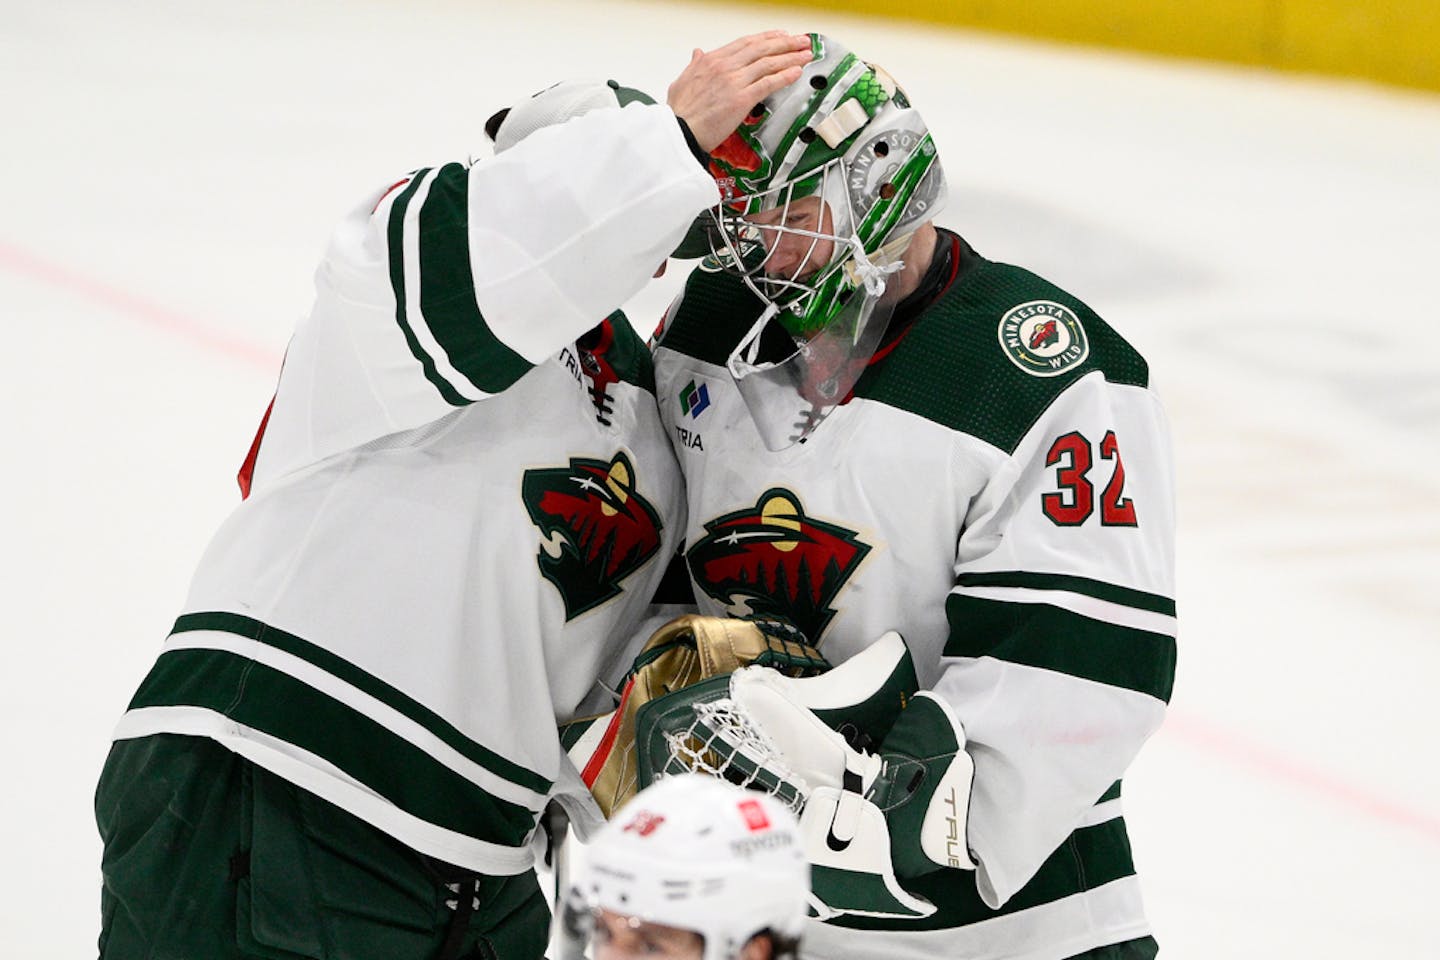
(713, 312)
(995, 351)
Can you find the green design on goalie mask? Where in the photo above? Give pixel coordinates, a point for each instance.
(823, 181)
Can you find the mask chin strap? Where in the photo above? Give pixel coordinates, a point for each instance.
(863, 271)
(747, 351)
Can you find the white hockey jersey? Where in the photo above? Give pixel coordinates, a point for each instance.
(456, 513)
(998, 490)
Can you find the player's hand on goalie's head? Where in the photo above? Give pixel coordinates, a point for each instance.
(718, 89)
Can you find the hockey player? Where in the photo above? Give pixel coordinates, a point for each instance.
(456, 510)
(692, 869)
(880, 429)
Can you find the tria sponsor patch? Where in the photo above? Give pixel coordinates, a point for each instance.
(1043, 338)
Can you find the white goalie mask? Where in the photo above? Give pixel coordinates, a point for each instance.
(711, 864)
(823, 186)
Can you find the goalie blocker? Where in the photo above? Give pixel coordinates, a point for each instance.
(871, 817)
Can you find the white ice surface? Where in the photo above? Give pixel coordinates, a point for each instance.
(170, 171)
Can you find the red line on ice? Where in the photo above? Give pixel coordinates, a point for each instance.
(134, 307)
(1275, 765)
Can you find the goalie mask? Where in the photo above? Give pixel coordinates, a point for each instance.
(823, 186)
(693, 869)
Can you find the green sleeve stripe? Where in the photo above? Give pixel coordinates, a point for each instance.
(347, 672)
(278, 704)
(447, 287)
(572, 732)
(1090, 858)
(1050, 638)
(1099, 589)
(1112, 794)
(395, 241)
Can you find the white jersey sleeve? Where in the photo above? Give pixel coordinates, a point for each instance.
(1062, 646)
(448, 286)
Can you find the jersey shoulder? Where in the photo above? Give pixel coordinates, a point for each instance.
(713, 312)
(995, 351)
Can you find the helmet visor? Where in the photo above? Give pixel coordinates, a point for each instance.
(788, 396)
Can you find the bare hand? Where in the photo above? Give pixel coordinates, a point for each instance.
(716, 90)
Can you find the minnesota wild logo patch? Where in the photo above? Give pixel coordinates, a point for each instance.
(773, 560)
(1043, 338)
(598, 529)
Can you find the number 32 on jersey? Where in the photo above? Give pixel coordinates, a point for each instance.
(1073, 456)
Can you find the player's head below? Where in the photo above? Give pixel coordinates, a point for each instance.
(693, 868)
(825, 184)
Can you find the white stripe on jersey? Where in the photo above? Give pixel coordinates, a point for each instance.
(1084, 605)
(322, 778)
(1100, 813)
(361, 702)
(410, 247)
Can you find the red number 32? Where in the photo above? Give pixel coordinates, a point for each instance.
(1075, 501)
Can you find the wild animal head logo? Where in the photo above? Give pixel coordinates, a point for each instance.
(598, 529)
(773, 560)
(1044, 335)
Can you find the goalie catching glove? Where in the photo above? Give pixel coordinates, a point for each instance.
(870, 819)
(684, 652)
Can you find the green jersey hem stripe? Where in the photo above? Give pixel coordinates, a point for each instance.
(1090, 858)
(1050, 638)
(1099, 589)
(395, 240)
(342, 669)
(447, 287)
(281, 706)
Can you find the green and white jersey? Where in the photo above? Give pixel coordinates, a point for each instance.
(457, 514)
(998, 490)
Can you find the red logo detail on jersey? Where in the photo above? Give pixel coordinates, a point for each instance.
(598, 529)
(593, 349)
(754, 815)
(773, 560)
(1044, 335)
(643, 823)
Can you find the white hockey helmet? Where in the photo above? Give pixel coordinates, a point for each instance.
(694, 853)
